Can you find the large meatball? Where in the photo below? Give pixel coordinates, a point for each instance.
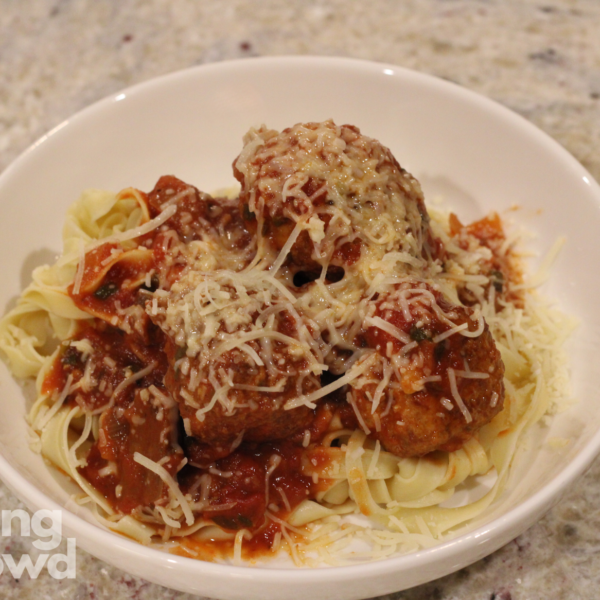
(231, 398)
(238, 354)
(345, 192)
(443, 371)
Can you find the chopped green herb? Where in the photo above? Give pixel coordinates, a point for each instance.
(497, 279)
(154, 283)
(106, 290)
(439, 350)
(247, 214)
(279, 221)
(418, 334)
(245, 521)
(71, 357)
(226, 522)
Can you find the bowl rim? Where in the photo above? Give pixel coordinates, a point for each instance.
(517, 518)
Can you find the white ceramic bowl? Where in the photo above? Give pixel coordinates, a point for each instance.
(477, 154)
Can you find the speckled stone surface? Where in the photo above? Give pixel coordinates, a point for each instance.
(540, 58)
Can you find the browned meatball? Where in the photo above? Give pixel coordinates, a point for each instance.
(237, 352)
(346, 190)
(440, 391)
(239, 412)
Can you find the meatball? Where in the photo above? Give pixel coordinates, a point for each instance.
(238, 353)
(344, 191)
(443, 373)
(220, 414)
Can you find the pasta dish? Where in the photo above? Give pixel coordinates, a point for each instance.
(317, 364)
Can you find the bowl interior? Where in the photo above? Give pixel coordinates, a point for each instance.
(475, 154)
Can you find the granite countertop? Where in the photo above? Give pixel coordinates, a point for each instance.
(541, 58)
